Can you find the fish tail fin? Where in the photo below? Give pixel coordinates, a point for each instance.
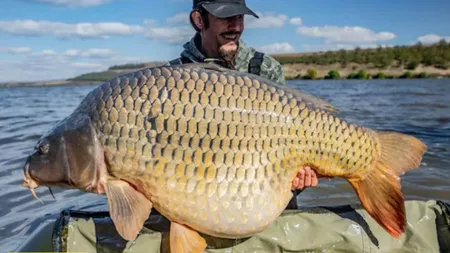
(380, 191)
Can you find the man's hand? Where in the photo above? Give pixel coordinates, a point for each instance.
(306, 177)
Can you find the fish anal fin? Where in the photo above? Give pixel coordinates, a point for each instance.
(185, 240)
(380, 195)
(129, 209)
(380, 191)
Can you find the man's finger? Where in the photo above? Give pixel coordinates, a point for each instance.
(307, 176)
(295, 183)
(314, 178)
(301, 180)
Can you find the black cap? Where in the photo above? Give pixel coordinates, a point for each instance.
(225, 8)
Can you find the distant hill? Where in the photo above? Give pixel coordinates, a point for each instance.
(416, 61)
(435, 55)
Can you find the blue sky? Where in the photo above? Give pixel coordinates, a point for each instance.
(54, 39)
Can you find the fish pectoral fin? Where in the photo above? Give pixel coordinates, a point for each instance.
(185, 240)
(129, 209)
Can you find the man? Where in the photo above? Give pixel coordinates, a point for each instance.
(219, 25)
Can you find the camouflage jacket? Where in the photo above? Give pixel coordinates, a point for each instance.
(270, 68)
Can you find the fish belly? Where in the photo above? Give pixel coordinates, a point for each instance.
(228, 202)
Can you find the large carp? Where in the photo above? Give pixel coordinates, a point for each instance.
(215, 151)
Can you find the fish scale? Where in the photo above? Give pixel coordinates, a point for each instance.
(210, 140)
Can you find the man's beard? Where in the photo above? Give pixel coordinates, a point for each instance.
(228, 54)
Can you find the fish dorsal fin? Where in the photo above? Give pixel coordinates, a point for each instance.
(129, 209)
(207, 66)
(311, 101)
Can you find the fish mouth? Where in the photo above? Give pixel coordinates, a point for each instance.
(29, 183)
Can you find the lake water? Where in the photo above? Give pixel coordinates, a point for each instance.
(417, 107)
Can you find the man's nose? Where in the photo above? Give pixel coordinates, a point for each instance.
(235, 21)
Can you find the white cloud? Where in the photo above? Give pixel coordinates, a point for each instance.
(173, 35)
(277, 48)
(432, 38)
(74, 3)
(16, 50)
(182, 17)
(266, 20)
(47, 52)
(296, 21)
(91, 53)
(353, 34)
(36, 67)
(66, 30)
(150, 29)
(48, 65)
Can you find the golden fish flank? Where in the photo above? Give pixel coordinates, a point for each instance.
(216, 151)
(225, 136)
(214, 124)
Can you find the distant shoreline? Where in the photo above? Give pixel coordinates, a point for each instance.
(291, 72)
(298, 71)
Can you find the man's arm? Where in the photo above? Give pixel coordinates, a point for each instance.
(272, 70)
(279, 75)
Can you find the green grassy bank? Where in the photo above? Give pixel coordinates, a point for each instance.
(416, 61)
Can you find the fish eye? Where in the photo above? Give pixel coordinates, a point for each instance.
(42, 148)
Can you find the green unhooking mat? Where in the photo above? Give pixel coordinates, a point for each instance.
(320, 229)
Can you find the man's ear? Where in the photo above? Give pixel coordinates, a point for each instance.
(197, 19)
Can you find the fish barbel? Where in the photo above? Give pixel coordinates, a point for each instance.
(215, 151)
